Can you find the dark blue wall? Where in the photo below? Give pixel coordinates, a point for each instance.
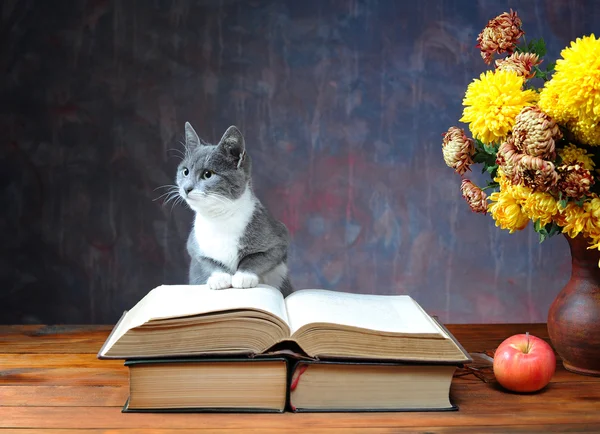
(343, 104)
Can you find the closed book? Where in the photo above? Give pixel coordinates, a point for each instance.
(343, 386)
(207, 385)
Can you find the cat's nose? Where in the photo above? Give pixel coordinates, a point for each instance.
(188, 189)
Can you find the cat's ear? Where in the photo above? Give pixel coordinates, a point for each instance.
(234, 145)
(191, 138)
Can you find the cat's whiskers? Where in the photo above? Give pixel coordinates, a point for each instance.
(166, 186)
(179, 199)
(172, 191)
(173, 196)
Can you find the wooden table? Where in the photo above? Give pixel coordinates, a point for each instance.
(51, 381)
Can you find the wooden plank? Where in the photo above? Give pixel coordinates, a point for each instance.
(498, 331)
(64, 376)
(12, 360)
(554, 398)
(112, 418)
(116, 395)
(85, 370)
(61, 369)
(479, 404)
(514, 429)
(50, 379)
(561, 375)
(485, 337)
(53, 339)
(63, 396)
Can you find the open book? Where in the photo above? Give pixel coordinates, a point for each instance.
(187, 320)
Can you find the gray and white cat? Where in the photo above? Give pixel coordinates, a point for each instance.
(234, 242)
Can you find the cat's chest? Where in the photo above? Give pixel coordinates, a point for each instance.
(220, 240)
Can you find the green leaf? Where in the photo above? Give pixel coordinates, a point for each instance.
(562, 203)
(546, 231)
(480, 157)
(552, 229)
(541, 74)
(491, 169)
(538, 46)
(479, 144)
(491, 149)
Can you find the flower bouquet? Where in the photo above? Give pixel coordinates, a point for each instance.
(536, 131)
(539, 145)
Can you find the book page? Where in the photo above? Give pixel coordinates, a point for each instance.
(395, 314)
(174, 301)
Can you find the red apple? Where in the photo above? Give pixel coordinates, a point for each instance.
(524, 363)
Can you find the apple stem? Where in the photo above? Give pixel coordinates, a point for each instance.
(527, 334)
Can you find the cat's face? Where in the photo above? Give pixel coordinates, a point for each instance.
(211, 177)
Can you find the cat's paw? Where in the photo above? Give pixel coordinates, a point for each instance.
(244, 279)
(219, 280)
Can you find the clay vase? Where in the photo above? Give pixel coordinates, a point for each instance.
(574, 316)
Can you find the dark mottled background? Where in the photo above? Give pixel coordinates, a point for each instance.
(343, 104)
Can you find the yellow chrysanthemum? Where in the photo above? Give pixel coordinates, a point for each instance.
(518, 192)
(492, 103)
(591, 228)
(586, 131)
(577, 78)
(507, 212)
(595, 243)
(552, 104)
(571, 219)
(571, 155)
(572, 96)
(502, 179)
(540, 206)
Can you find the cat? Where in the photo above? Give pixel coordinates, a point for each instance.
(234, 242)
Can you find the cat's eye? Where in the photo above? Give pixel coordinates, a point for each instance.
(185, 171)
(206, 174)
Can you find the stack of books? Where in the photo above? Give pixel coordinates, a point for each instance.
(189, 348)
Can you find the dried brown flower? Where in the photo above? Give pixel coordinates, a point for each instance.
(475, 196)
(574, 181)
(508, 158)
(500, 35)
(536, 173)
(535, 133)
(458, 150)
(520, 63)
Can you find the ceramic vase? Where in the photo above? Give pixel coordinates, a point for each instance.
(574, 316)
